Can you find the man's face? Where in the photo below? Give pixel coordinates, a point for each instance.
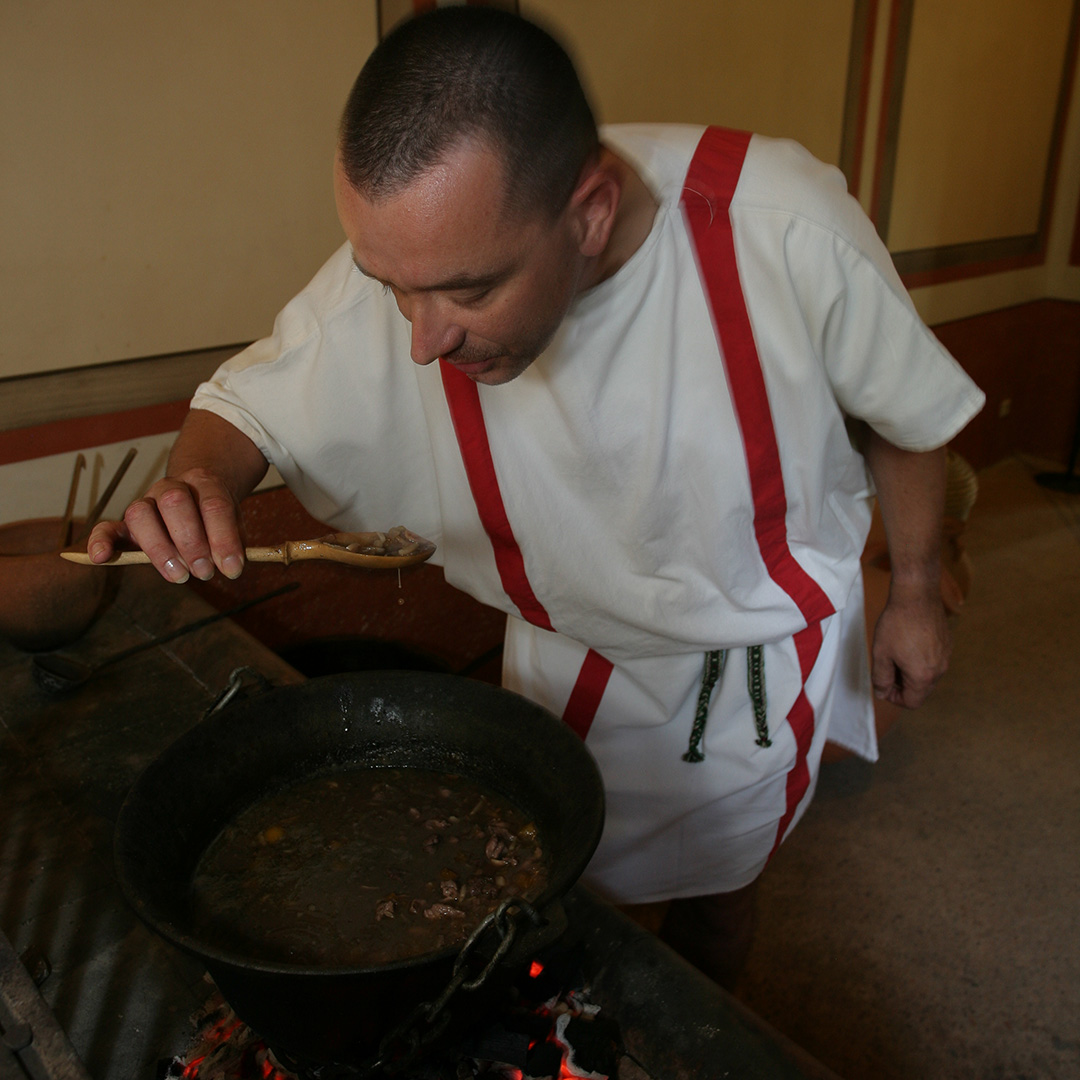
(483, 288)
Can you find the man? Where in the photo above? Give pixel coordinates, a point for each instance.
(626, 425)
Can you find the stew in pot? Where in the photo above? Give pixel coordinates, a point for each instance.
(364, 866)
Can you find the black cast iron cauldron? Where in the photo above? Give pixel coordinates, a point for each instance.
(386, 718)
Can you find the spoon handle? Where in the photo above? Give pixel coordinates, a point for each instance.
(125, 558)
(131, 558)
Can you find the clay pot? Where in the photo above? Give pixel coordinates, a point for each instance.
(45, 601)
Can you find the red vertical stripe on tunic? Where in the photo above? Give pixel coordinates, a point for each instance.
(585, 698)
(468, 419)
(467, 416)
(706, 201)
(801, 720)
(707, 193)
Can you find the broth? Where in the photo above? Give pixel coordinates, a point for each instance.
(364, 866)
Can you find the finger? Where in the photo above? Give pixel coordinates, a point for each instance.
(222, 526)
(914, 693)
(105, 539)
(906, 690)
(181, 513)
(885, 677)
(149, 531)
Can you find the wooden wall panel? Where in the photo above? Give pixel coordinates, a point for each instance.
(1027, 361)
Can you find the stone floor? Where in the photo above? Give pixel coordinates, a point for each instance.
(923, 921)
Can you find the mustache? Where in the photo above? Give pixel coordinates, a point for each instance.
(467, 353)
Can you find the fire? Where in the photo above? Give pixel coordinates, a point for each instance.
(566, 1032)
(226, 1049)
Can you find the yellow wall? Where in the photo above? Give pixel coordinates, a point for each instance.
(778, 67)
(164, 178)
(973, 170)
(165, 169)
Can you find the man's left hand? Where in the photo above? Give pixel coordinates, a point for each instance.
(911, 649)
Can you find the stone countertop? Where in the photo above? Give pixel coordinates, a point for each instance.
(66, 763)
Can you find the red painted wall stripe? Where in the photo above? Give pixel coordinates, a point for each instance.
(863, 107)
(710, 185)
(467, 416)
(468, 419)
(68, 436)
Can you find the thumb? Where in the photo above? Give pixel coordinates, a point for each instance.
(884, 676)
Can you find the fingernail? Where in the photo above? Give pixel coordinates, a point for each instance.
(232, 567)
(95, 550)
(203, 569)
(177, 571)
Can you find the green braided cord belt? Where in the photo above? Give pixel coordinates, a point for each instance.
(714, 668)
(755, 683)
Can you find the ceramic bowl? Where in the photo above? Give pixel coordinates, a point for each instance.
(45, 601)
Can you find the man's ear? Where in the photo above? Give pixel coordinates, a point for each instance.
(593, 205)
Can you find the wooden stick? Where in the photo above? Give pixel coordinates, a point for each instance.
(99, 508)
(65, 525)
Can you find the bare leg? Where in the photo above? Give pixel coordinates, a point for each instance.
(650, 916)
(713, 932)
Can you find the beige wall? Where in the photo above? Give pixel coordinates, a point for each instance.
(972, 171)
(975, 169)
(778, 67)
(166, 169)
(165, 179)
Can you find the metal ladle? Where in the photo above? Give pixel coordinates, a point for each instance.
(59, 673)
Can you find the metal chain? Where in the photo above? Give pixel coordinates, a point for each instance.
(428, 1020)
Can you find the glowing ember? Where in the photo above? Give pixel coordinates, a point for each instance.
(225, 1048)
(566, 1037)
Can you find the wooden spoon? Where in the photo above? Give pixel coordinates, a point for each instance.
(374, 551)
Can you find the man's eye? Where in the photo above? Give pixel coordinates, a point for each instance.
(476, 296)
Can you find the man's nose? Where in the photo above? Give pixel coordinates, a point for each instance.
(434, 334)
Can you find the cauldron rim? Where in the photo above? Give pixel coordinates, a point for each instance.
(378, 685)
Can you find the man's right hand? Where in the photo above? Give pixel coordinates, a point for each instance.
(187, 524)
(189, 521)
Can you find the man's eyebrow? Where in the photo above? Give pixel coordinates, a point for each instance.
(459, 282)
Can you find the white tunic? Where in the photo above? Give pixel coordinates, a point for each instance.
(632, 464)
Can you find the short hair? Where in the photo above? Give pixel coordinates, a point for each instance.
(458, 72)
